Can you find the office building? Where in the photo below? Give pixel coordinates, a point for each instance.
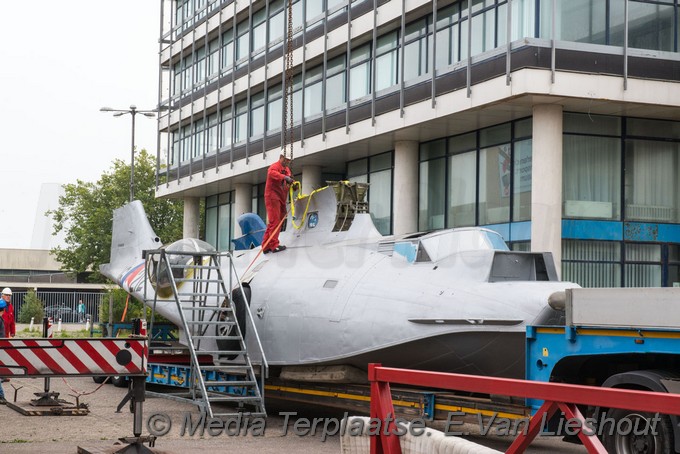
(553, 122)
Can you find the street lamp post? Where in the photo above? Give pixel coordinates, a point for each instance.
(132, 111)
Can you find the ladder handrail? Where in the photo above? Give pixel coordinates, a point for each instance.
(201, 266)
(233, 272)
(192, 350)
(264, 366)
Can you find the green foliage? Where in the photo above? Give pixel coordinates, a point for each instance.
(31, 308)
(85, 214)
(135, 308)
(119, 298)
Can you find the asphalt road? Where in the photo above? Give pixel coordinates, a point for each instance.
(101, 428)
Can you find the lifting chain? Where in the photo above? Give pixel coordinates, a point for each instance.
(288, 92)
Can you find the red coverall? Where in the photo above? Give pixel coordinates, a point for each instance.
(8, 317)
(275, 192)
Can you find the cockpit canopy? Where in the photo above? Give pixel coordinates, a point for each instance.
(179, 254)
(435, 246)
(493, 259)
(190, 245)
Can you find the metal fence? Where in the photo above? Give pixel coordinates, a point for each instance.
(63, 305)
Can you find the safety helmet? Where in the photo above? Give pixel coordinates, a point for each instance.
(3, 304)
(6, 291)
(288, 154)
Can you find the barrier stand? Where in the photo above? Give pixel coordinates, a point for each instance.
(556, 396)
(47, 398)
(46, 358)
(136, 396)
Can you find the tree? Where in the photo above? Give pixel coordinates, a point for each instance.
(135, 309)
(85, 214)
(120, 297)
(32, 308)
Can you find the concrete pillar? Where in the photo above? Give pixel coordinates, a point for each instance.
(546, 182)
(243, 203)
(311, 179)
(192, 217)
(405, 190)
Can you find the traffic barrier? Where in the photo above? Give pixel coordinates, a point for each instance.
(63, 357)
(49, 357)
(556, 396)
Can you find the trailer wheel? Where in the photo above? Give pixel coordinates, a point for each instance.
(119, 382)
(99, 379)
(240, 305)
(632, 433)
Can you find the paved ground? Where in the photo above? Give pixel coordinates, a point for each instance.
(103, 426)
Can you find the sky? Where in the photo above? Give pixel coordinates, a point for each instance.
(60, 63)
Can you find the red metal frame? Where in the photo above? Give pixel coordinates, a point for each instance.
(556, 396)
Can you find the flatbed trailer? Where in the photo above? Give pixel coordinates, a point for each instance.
(619, 338)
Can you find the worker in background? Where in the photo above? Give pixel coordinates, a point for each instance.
(279, 179)
(3, 307)
(8, 316)
(81, 311)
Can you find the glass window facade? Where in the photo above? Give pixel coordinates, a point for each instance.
(616, 264)
(592, 263)
(482, 177)
(621, 169)
(219, 214)
(594, 150)
(651, 25)
(417, 40)
(475, 178)
(652, 180)
(591, 167)
(377, 172)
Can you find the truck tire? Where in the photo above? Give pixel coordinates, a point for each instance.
(240, 306)
(660, 438)
(119, 382)
(646, 439)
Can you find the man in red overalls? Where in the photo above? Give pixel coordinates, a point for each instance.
(279, 180)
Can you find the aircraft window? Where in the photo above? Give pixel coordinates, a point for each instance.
(330, 283)
(412, 251)
(496, 241)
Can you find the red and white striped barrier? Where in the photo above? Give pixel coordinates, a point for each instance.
(63, 357)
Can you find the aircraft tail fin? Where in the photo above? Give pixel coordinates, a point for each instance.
(131, 234)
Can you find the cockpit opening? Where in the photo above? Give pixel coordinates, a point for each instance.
(522, 266)
(179, 254)
(350, 198)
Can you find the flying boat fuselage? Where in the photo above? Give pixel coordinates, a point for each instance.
(451, 300)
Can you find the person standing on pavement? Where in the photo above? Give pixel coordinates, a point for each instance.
(279, 179)
(3, 307)
(81, 311)
(8, 316)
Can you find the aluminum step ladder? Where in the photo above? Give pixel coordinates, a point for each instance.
(213, 320)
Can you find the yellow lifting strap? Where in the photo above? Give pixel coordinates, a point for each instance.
(294, 199)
